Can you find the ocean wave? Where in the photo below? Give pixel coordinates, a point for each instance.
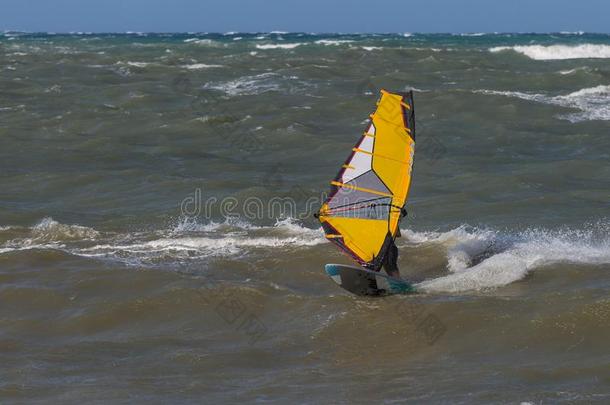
(336, 42)
(259, 84)
(13, 108)
(198, 66)
(199, 41)
(247, 85)
(185, 240)
(518, 94)
(558, 52)
(575, 70)
(278, 46)
(46, 234)
(593, 102)
(135, 64)
(190, 240)
(50, 230)
(480, 259)
(476, 258)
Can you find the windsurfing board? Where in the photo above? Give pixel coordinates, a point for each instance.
(360, 281)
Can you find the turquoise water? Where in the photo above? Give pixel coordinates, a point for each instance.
(157, 243)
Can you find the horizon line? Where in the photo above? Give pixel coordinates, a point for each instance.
(281, 32)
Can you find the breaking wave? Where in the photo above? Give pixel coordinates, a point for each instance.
(50, 230)
(593, 103)
(198, 66)
(336, 42)
(258, 84)
(185, 240)
(558, 52)
(278, 46)
(199, 41)
(479, 258)
(475, 258)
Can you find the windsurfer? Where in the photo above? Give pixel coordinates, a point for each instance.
(390, 261)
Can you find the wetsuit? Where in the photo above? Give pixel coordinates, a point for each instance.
(390, 261)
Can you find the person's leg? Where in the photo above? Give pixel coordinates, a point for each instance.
(391, 262)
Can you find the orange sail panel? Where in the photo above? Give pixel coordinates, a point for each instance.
(362, 212)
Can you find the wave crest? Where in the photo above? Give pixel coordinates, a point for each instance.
(593, 103)
(558, 52)
(49, 230)
(475, 258)
(482, 258)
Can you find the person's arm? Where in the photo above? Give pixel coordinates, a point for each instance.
(403, 214)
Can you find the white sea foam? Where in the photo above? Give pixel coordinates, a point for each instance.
(56, 88)
(525, 96)
(506, 258)
(190, 240)
(50, 230)
(13, 108)
(278, 46)
(333, 42)
(186, 240)
(575, 70)
(198, 41)
(136, 64)
(248, 85)
(38, 246)
(559, 52)
(48, 234)
(429, 49)
(195, 247)
(259, 84)
(372, 48)
(476, 258)
(198, 66)
(593, 103)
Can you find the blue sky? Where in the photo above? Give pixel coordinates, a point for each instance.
(306, 15)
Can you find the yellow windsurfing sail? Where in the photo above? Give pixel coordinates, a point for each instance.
(367, 197)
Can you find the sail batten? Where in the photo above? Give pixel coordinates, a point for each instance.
(367, 198)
